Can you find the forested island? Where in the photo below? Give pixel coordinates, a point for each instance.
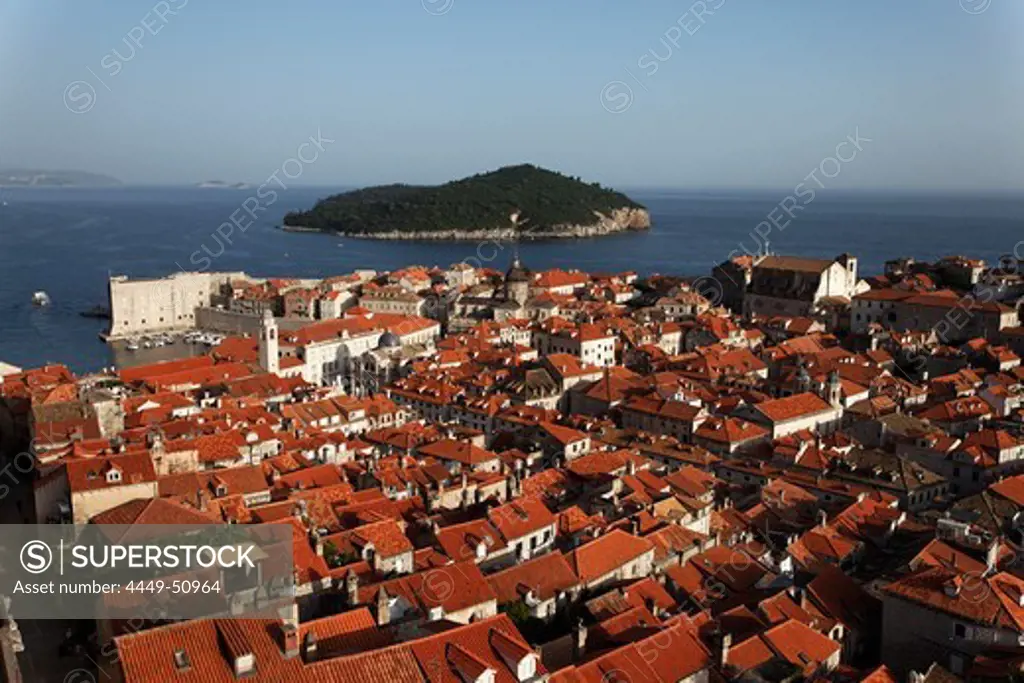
(514, 202)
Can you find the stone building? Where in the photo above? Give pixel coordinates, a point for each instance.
(792, 286)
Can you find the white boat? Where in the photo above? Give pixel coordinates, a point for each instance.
(41, 298)
(132, 345)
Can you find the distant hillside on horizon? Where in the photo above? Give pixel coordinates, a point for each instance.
(23, 177)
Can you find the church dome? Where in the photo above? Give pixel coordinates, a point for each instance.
(517, 272)
(389, 340)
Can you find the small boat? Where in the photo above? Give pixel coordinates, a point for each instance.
(133, 345)
(40, 298)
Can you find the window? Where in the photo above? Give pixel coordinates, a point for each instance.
(960, 631)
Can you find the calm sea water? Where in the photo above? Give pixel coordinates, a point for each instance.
(67, 241)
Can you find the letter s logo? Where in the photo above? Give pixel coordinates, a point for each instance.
(36, 557)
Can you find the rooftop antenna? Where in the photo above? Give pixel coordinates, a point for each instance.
(515, 237)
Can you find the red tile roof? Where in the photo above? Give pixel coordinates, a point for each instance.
(792, 407)
(148, 656)
(1011, 488)
(607, 553)
(89, 474)
(460, 451)
(546, 577)
(990, 601)
(453, 587)
(680, 655)
(152, 511)
(460, 541)
(521, 517)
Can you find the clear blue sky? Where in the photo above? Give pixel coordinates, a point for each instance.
(755, 98)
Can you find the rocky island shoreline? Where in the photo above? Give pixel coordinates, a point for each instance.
(616, 221)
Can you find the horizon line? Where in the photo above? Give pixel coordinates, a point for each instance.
(888, 190)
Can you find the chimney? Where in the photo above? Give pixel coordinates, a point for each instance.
(725, 642)
(290, 637)
(579, 643)
(822, 518)
(309, 647)
(352, 588)
(240, 653)
(383, 607)
(992, 557)
(201, 500)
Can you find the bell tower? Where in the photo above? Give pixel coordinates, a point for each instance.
(269, 355)
(517, 280)
(835, 390)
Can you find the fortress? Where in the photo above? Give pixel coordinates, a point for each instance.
(169, 304)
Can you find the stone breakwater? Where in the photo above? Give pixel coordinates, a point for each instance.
(619, 220)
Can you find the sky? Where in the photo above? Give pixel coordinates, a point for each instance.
(652, 93)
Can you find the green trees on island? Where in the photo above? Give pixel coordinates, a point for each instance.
(543, 199)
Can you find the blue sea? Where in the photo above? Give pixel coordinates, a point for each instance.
(67, 241)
